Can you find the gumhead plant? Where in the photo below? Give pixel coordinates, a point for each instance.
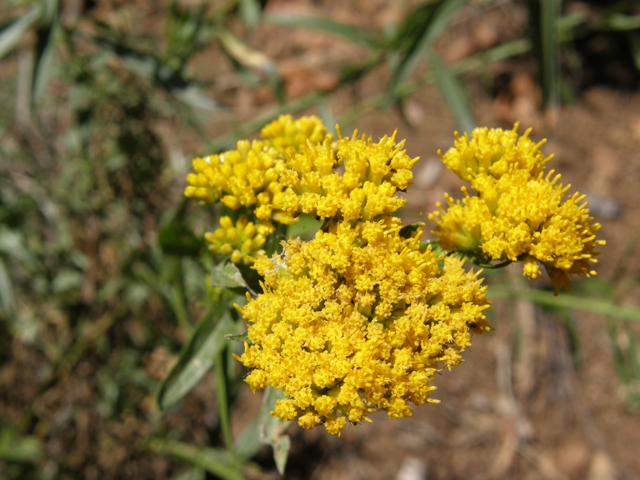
(361, 316)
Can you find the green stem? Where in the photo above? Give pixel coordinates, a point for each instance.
(223, 401)
(506, 263)
(542, 297)
(177, 299)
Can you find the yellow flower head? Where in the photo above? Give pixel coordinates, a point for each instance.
(460, 226)
(373, 173)
(250, 175)
(519, 214)
(357, 320)
(494, 151)
(236, 178)
(242, 241)
(285, 133)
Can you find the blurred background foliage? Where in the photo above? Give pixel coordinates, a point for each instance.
(105, 296)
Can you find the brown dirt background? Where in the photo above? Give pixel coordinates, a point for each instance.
(518, 407)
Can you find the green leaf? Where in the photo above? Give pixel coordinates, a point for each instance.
(543, 30)
(151, 69)
(408, 230)
(7, 298)
(19, 449)
(223, 401)
(191, 474)
(248, 443)
(621, 22)
(197, 356)
(305, 227)
(566, 300)
(627, 361)
(12, 244)
(227, 275)
(435, 247)
(281, 452)
(453, 93)
(11, 33)
(425, 23)
(215, 461)
(176, 239)
(42, 68)
(349, 32)
(271, 428)
(250, 12)
(243, 337)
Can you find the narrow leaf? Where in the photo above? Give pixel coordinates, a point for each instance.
(433, 22)
(7, 298)
(44, 50)
(178, 239)
(196, 357)
(243, 337)
(453, 93)
(250, 12)
(151, 69)
(281, 452)
(271, 428)
(11, 33)
(248, 443)
(223, 401)
(543, 29)
(191, 474)
(215, 461)
(227, 275)
(546, 298)
(349, 32)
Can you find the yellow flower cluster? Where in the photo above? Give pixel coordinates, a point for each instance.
(249, 176)
(373, 173)
(285, 133)
(519, 214)
(294, 170)
(241, 241)
(356, 320)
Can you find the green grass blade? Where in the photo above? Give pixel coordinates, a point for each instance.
(453, 93)
(190, 474)
(250, 12)
(151, 69)
(544, 17)
(213, 460)
(348, 32)
(12, 32)
(565, 300)
(223, 401)
(43, 55)
(627, 362)
(7, 298)
(197, 356)
(432, 23)
(621, 22)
